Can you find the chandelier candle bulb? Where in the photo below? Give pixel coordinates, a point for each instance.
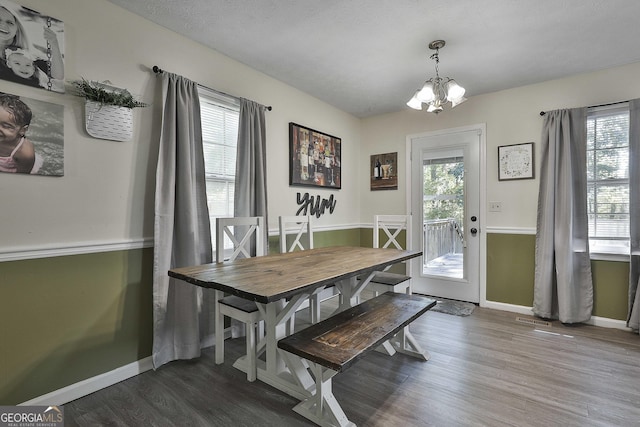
(426, 94)
(454, 90)
(414, 102)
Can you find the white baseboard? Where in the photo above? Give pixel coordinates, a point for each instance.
(90, 385)
(520, 309)
(608, 323)
(595, 320)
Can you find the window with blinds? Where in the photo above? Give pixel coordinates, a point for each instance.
(608, 179)
(219, 117)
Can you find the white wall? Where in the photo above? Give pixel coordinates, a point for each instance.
(107, 192)
(512, 117)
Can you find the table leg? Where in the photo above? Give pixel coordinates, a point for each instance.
(219, 328)
(350, 291)
(273, 332)
(287, 374)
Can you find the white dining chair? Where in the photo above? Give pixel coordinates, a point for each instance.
(242, 232)
(298, 227)
(390, 227)
(296, 233)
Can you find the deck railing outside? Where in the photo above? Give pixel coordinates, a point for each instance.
(441, 237)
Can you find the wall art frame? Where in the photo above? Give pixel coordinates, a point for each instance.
(38, 40)
(314, 158)
(384, 171)
(516, 161)
(44, 134)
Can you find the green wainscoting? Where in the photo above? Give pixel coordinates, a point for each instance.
(511, 269)
(321, 239)
(610, 289)
(69, 318)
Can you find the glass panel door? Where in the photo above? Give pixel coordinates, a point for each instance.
(443, 213)
(445, 206)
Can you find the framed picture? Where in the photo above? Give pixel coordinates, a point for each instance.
(314, 158)
(515, 161)
(384, 171)
(33, 53)
(36, 144)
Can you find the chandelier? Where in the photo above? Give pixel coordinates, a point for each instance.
(437, 91)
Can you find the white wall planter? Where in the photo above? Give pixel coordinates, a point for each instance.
(108, 121)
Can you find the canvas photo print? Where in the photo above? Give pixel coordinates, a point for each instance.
(31, 136)
(31, 47)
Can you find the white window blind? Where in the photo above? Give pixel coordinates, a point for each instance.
(219, 117)
(608, 179)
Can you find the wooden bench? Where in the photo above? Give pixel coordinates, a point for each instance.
(334, 344)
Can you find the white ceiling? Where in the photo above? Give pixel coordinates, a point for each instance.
(367, 57)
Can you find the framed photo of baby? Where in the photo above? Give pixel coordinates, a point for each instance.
(31, 47)
(31, 136)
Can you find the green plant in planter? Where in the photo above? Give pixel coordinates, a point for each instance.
(105, 95)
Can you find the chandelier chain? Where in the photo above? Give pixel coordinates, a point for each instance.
(436, 57)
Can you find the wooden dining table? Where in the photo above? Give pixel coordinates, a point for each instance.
(280, 283)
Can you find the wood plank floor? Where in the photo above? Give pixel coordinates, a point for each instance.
(485, 370)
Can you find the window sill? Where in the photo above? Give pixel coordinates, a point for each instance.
(604, 256)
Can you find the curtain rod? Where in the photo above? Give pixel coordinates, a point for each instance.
(542, 113)
(159, 70)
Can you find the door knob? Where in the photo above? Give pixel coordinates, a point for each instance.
(474, 231)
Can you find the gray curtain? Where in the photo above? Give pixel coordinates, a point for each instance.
(250, 196)
(563, 287)
(183, 319)
(633, 321)
(250, 192)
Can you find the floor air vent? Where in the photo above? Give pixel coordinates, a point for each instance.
(534, 322)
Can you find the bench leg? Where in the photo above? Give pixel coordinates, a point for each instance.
(322, 407)
(405, 343)
(314, 308)
(386, 348)
(291, 325)
(299, 369)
